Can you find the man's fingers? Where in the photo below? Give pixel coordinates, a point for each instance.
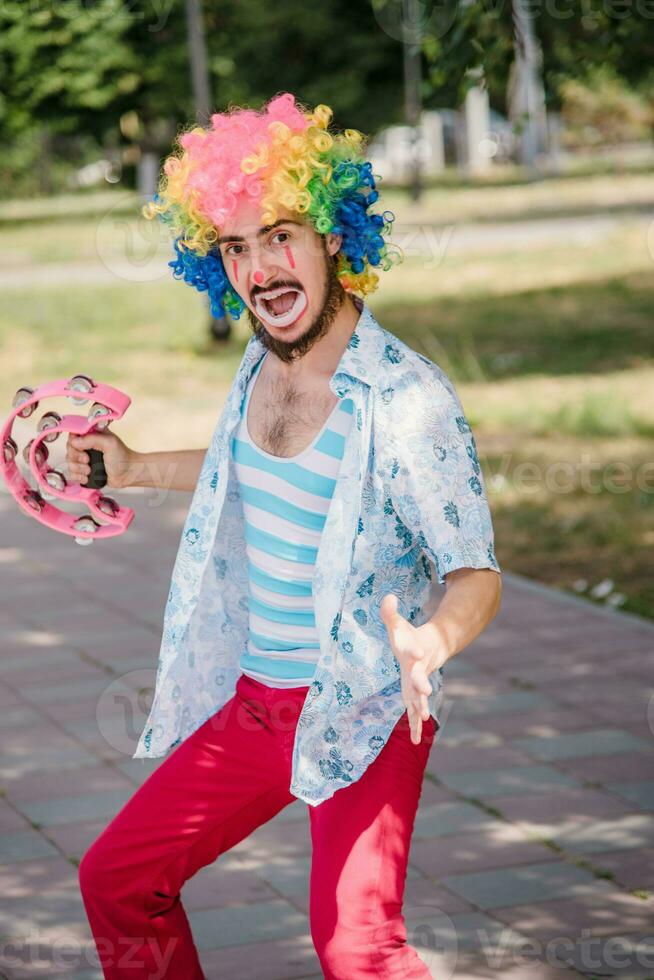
(390, 610)
(420, 680)
(416, 725)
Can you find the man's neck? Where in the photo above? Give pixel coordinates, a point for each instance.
(322, 359)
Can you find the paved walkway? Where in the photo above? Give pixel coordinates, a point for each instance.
(534, 842)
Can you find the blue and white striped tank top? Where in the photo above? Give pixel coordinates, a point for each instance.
(285, 503)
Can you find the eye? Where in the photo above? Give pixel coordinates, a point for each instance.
(228, 249)
(277, 233)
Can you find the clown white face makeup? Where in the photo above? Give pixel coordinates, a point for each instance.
(281, 307)
(285, 274)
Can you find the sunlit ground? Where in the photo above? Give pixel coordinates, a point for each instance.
(547, 337)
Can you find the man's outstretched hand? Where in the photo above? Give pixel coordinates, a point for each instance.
(417, 656)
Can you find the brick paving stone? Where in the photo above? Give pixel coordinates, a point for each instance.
(501, 704)
(19, 716)
(281, 836)
(223, 883)
(441, 819)
(9, 698)
(545, 731)
(432, 929)
(522, 884)
(544, 722)
(63, 712)
(641, 793)
(459, 853)
(545, 809)
(433, 792)
(24, 680)
(67, 958)
(74, 782)
(421, 891)
(74, 839)
(286, 875)
(633, 869)
(73, 809)
(24, 845)
(623, 957)
(10, 819)
(454, 733)
(23, 661)
(89, 687)
(45, 759)
(473, 688)
(55, 876)
(137, 770)
(32, 740)
(637, 724)
(600, 912)
(599, 741)
(279, 959)
(611, 768)
(516, 781)
(445, 758)
(586, 835)
(509, 964)
(234, 924)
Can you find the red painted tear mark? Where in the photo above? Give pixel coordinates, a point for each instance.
(289, 256)
(235, 269)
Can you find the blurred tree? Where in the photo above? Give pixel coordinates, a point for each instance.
(77, 68)
(67, 65)
(574, 35)
(601, 109)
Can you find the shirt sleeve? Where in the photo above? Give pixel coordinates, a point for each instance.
(435, 480)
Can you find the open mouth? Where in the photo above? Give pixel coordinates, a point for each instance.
(281, 307)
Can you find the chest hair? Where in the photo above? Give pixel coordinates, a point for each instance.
(283, 420)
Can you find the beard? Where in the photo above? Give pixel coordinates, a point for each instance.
(289, 351)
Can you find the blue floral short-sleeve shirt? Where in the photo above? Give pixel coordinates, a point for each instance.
(409, 506)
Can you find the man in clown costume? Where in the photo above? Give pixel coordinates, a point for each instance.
(304, 636)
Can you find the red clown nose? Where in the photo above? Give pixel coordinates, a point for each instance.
(258, 278)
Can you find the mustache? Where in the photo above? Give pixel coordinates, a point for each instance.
(279, 284)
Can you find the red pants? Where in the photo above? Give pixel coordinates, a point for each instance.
(225, 780)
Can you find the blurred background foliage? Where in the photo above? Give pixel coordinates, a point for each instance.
(81, 78)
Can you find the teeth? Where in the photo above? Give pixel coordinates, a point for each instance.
(277, 292)
(283, 319)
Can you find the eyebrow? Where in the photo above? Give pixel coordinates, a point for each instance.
(262, 231)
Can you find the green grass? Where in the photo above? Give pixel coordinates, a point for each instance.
(580, 328)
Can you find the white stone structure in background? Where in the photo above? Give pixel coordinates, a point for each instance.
(479, 147)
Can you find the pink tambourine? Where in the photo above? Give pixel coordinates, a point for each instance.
(105, 518)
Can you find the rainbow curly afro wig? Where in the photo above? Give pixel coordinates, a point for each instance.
(283, 156)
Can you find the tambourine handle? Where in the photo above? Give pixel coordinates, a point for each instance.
(98, 475)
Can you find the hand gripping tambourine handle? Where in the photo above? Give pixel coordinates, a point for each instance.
(98, 475)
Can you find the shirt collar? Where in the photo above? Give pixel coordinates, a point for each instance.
(359, 360)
